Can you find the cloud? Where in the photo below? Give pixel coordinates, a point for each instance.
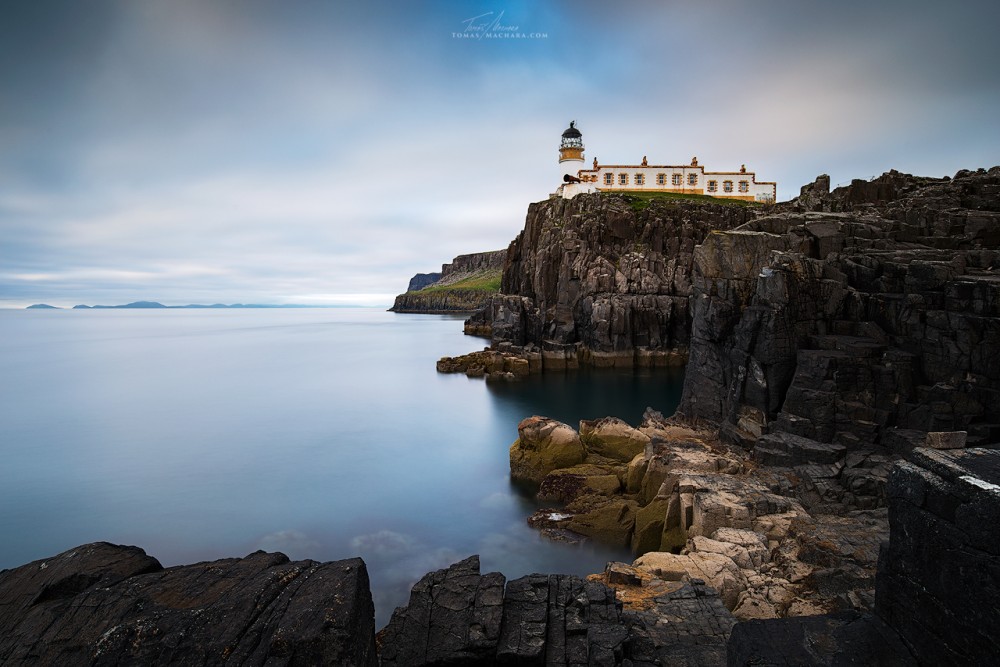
(236, 151)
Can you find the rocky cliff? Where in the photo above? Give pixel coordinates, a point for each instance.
(603, 279)
(864, 322)
(463, 285)
(422, 280)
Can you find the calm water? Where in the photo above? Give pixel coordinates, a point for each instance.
(325, 434)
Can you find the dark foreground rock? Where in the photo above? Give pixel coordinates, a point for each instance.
(101, 604)
(937, 584)
(458, 617)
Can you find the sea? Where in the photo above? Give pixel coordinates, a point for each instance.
(323, 433)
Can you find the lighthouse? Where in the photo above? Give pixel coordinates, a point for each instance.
(571, 163)
(682, 179)
(570, 152)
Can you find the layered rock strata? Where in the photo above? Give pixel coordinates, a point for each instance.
(602, 280)
(101, 604)
(865, 321)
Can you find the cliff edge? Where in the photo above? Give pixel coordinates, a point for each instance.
(463, 285)
(603, 279)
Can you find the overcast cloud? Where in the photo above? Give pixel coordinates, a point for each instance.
(322, 152)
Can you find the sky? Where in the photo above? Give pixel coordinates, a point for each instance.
(322, 152)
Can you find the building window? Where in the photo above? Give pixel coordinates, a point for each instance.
(609, 179)
(622, 179)
(661, 179)
(713, 186)
(744, 186)
(640, 179)
(676, 179)
(727, 186)
(692, 179)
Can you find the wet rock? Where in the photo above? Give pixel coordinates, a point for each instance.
(454, 616)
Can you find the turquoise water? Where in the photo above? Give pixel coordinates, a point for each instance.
(322, 433)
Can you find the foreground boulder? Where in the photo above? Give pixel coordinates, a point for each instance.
(544, 445)
(102, 604)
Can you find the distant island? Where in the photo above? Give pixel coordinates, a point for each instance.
(157, 304)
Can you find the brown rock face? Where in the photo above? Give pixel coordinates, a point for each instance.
(101, 604)
(596, 278)
(543, 445)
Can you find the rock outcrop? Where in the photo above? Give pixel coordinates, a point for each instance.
(101, 604)
(463, 285)
(445, 300)
(603, 280)
(691, 507)
(457, 616)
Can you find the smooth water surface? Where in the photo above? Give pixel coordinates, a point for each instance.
(321, 433)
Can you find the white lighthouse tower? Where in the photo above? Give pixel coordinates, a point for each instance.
(571, 162)
(570, 152)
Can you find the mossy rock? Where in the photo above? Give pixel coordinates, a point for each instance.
(610, 523)
(544, 445)
(613, 438)
(648, 533)
(567, 484)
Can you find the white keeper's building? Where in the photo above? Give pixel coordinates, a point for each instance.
(688, 179)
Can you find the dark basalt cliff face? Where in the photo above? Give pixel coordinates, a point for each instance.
(864, 327)
(603, 280)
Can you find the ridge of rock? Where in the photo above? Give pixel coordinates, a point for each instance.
(458, 287)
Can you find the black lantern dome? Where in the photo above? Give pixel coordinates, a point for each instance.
(571, 138)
